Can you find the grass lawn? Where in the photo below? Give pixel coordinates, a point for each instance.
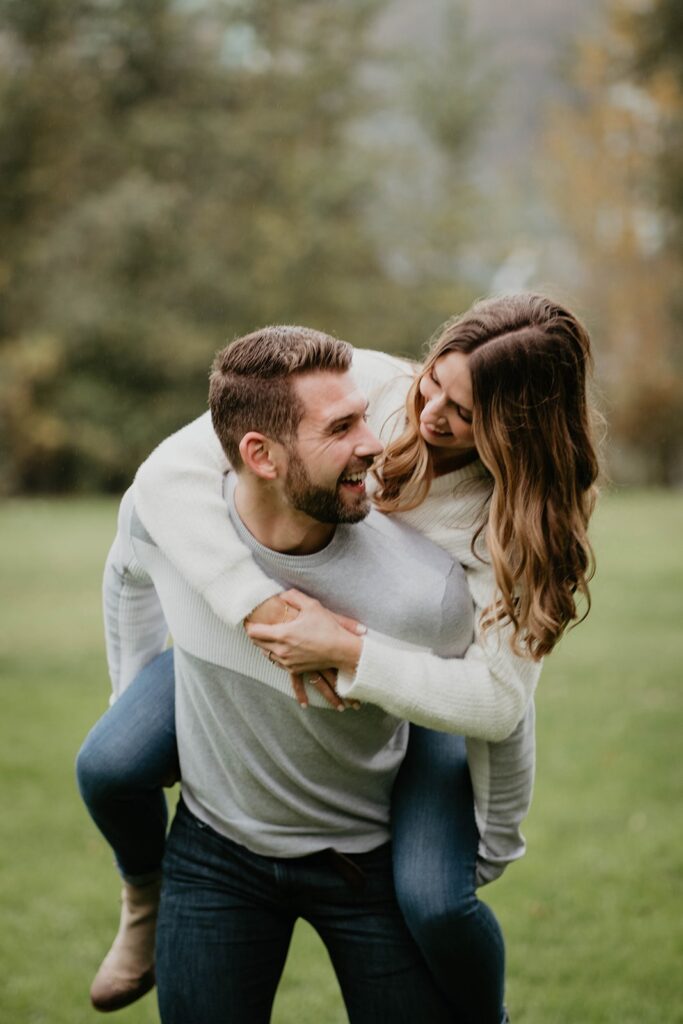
(593, 914)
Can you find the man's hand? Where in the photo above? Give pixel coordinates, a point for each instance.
(281, 609)
(307, 638)
(270, 612)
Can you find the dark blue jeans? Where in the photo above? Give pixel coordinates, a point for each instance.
(435, 839)
(226, 921)
(126, 759)
(131, 753)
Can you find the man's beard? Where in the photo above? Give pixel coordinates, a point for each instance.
(320, 503)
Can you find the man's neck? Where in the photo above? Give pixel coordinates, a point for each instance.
(275, 524)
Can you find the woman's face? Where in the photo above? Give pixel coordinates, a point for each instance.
(446, 420)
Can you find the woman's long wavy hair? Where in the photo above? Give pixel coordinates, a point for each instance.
(530, 362)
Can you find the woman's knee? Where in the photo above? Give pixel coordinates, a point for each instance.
(435, 901)
(98, 772)
(434, 922)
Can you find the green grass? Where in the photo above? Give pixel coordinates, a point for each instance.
(592, 916)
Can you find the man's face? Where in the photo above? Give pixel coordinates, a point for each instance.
(333, 450)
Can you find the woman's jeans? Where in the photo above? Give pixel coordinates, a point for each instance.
(126, 759)
(131, 753)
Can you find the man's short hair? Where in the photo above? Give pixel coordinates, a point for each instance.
(250, 384)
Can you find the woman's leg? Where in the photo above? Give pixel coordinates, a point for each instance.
(126, 759)
(435, 848)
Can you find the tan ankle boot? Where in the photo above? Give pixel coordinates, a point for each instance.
(127, 971)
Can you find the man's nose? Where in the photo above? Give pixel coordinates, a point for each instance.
(368, 444)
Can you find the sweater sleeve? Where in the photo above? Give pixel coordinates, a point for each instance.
(483, 695)
(179, 500)
(502, 777)
(134, 623)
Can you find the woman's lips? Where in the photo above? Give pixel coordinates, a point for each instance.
(435, 432)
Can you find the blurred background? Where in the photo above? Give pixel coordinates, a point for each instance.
(174, 173)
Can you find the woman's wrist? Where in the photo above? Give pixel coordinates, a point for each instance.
(350, 650)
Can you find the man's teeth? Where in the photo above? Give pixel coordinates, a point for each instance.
(354, 478)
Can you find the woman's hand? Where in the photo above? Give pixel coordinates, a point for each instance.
(276, 610)
(309, 640)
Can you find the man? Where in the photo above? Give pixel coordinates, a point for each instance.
(284, 813)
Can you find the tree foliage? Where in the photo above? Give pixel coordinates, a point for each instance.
(172, 174)
(608, 152)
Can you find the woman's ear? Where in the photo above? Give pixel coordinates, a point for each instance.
(260, 455)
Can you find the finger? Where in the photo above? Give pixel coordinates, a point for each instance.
(326, 690)
(330, 675)
(299, 688)
(297, 599)
(267, 634)
(352, 625)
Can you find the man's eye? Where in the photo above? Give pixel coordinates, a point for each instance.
(341, 428)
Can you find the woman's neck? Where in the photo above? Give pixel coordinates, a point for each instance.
(444, 461)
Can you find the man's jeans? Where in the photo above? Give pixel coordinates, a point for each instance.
(226, 921)
(130, 753)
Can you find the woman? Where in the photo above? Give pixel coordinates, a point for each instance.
(490, 455)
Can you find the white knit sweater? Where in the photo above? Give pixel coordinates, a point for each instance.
(486, 695)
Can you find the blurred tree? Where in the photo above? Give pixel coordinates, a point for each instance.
(172, 172)
(658, 58)
(605, 149)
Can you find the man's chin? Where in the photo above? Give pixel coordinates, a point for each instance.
(354, 511)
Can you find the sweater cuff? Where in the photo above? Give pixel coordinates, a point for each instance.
(234, 597)
(368, 683)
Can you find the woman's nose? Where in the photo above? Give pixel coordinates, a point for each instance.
(435, 407)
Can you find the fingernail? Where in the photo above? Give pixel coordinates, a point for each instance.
(341, 707)
(303, 704)
(355, 706)
(360, 629)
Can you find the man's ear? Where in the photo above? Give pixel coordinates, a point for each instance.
(261, 455)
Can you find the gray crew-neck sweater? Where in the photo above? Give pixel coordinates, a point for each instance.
(282, 780)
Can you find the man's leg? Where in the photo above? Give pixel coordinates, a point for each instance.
(352, 904)
(223, 931)
(125, 760)
(435, 842)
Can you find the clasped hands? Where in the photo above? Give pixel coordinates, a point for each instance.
(300, 635)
